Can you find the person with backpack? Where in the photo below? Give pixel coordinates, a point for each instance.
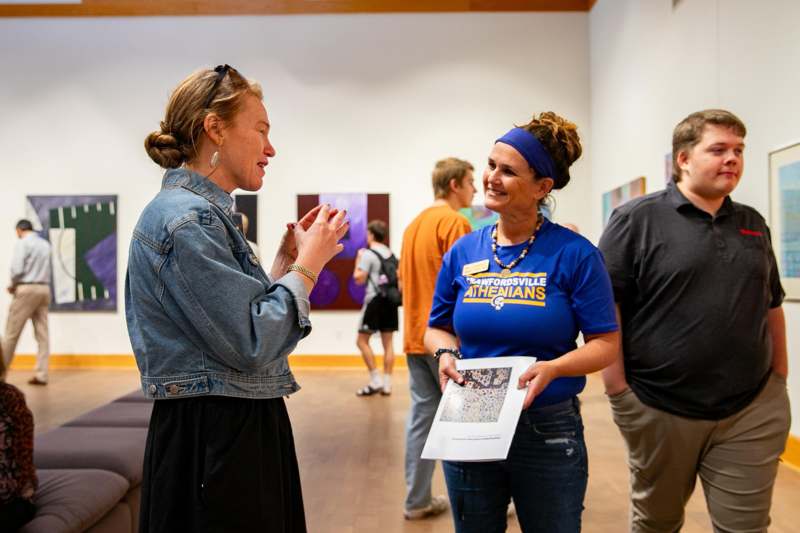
(376, 267)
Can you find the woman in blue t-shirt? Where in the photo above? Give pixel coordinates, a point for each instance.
(526, 286)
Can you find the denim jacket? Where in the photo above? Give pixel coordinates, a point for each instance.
(203, 316)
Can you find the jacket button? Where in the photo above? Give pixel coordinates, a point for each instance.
(152, 390)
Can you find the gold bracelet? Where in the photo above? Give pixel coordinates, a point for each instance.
(294, 267)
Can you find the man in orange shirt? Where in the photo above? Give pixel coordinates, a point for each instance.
(425, 241)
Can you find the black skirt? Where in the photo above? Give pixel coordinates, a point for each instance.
(215, 464)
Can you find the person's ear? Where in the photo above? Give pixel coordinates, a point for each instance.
(213, 126)
(683, 160)
(545, 186)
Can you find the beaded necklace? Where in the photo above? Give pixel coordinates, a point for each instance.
(506, 269)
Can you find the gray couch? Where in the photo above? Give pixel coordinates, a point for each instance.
(90, 470)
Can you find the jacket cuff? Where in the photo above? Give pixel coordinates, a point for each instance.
(294, 284)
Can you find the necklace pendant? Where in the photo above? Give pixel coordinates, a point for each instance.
(505, 273)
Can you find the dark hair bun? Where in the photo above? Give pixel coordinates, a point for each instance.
(560, 138)
(163, 148)
(565, 132)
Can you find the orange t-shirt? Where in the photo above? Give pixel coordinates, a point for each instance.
(425, 242)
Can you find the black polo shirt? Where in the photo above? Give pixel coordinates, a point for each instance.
(694, 292)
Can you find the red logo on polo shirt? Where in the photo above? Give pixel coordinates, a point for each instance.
(750, 233)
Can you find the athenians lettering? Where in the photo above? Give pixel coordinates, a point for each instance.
(520, 288)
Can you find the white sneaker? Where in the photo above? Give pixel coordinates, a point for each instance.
(369, 390)
(437, 506)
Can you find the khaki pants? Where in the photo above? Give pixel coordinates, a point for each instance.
(30, 302)
(736, 459)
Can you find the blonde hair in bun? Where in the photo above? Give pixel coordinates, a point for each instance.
(175, 143)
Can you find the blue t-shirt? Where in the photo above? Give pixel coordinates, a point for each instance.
(560, 289)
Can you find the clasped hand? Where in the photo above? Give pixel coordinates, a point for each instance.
(314, 239)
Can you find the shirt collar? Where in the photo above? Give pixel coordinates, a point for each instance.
(679, 201)
(198, 184)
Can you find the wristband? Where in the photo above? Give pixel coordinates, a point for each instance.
(294, 267)
(452, 351)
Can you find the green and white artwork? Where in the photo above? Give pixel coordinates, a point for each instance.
(82, 231)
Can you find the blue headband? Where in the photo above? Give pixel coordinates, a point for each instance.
(532, 150)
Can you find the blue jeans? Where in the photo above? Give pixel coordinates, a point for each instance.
(545, 473)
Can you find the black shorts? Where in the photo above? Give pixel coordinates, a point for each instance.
(379, 315)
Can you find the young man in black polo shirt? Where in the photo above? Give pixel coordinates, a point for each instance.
(700, 388)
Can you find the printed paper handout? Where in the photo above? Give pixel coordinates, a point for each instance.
(476, 421)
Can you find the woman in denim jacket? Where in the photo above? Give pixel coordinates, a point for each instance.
(211, 329)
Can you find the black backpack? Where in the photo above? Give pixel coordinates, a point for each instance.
(387, 287)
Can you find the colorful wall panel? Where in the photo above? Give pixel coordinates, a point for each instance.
(82, 231)
(479, 216)
(616, 197)
(335, 289)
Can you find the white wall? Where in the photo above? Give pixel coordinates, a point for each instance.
(651, 66)
(358, 103)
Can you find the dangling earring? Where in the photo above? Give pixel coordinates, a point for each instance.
(215, 155)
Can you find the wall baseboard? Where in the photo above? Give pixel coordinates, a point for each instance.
(791, 456)
(27, 361)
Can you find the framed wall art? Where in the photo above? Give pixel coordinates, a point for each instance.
(667, 168)
(616, 197)
(784, 219)
(336, 290)
(479, 216)
(82, 231)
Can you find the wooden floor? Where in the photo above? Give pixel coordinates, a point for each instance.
(351, 452)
